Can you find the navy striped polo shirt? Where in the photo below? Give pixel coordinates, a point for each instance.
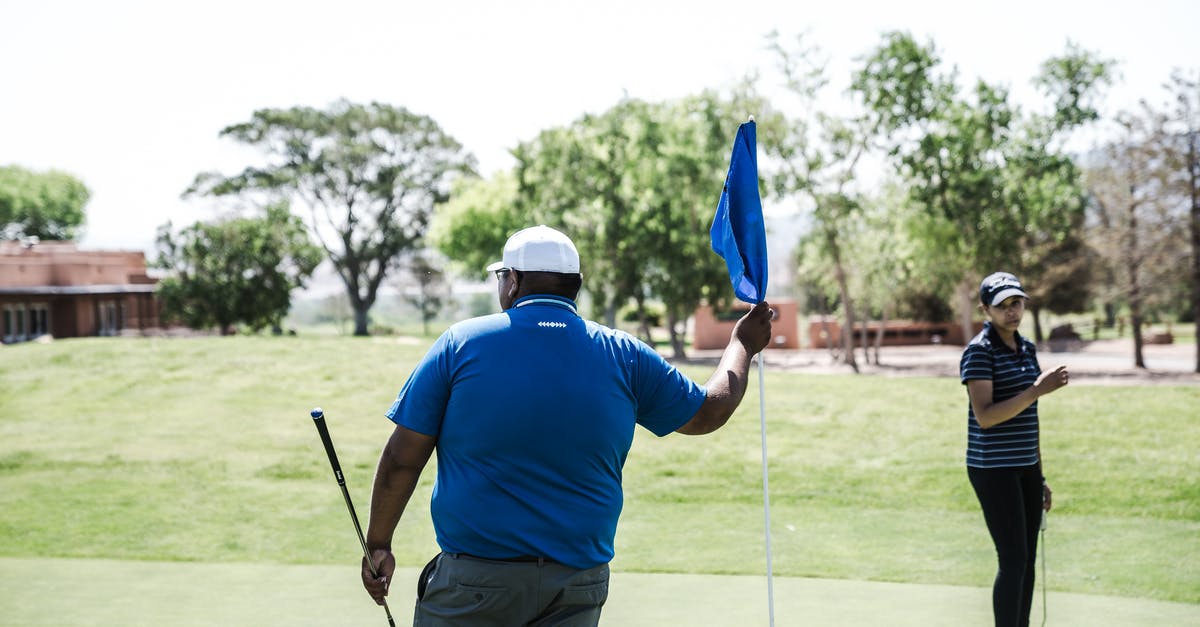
(1015, 442)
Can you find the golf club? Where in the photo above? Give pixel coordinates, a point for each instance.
(318, 416)
(1042, 550)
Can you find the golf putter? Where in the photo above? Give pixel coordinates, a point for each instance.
(318, 416)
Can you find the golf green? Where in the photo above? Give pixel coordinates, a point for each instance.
(76, 592)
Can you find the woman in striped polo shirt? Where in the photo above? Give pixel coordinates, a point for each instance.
(1004, 381)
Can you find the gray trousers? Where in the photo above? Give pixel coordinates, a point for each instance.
(457, 589)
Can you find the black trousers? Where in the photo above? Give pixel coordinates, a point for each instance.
(1011, 499)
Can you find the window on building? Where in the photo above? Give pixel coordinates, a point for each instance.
(7, 320)
(108, 317)
(38, 320)
(15, 329)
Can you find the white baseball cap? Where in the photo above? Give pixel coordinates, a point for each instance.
(539, 249)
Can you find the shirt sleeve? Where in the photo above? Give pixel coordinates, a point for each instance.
(977, 364)
(666, 398)
(421, 403)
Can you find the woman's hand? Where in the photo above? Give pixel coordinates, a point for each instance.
(1051, 380)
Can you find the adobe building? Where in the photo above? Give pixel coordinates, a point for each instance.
(53, 288)
(711, 329)
(826, 331)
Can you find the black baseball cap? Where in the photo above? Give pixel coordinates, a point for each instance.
(998, 286)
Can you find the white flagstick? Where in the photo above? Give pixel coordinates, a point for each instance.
(762, 413)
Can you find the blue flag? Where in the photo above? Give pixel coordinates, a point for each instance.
(738, 233)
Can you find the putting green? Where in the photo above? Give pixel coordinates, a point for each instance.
(111, 593)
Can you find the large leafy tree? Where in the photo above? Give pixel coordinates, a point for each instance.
(681, 174)
(471, 227)
(579, 178)
(238, 270)
(636, 187)
(974, 162)
(47, 205)
(1043, 187)
(370, 176)
(942, 146)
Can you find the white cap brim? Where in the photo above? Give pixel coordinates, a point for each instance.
(494, 266)
(1006, 294)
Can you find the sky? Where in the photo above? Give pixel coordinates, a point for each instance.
(130, 96)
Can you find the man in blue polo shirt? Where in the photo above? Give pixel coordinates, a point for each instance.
(532, 413)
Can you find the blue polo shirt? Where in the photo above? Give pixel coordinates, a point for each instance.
(534, 411)
(1012, 443)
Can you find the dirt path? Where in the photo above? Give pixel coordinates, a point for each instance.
(1104, 362)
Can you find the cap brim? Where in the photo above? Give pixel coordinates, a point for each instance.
(1004, 295)
(495, 266)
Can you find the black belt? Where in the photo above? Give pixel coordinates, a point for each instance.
(520, 559)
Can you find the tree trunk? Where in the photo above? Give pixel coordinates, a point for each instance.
(1194, 170)
(677, 346)
(847, 304)
(610, 314)
(1135, 291)
(966, 304)
(864, 339)
(360, 319)
(348, 271)
(1038, 336)
(1135, 306)
(830, 345)
(883, 320)
(644, 324)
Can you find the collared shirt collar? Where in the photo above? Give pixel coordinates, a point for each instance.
(547, 299)
(994, 337)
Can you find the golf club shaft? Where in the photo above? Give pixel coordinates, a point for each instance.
(318, 417)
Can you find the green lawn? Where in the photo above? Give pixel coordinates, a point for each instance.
(202, 450)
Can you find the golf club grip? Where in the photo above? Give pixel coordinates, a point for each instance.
(323, 431)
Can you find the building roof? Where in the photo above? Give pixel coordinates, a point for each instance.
(55, 290)
(60, 268)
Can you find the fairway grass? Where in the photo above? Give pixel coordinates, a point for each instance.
(201, 450)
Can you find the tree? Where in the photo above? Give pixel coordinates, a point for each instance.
(1142, 194)
(471, 227)
(818, 160)
(47, 205)
(578, 177)
(976, 163)
(683, 157)
(1043, 186)
(1187, 122)
(370, 176)
(429, 282)
(636, 187)
(235, 270)
(1131, 223)
(1045, 199)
